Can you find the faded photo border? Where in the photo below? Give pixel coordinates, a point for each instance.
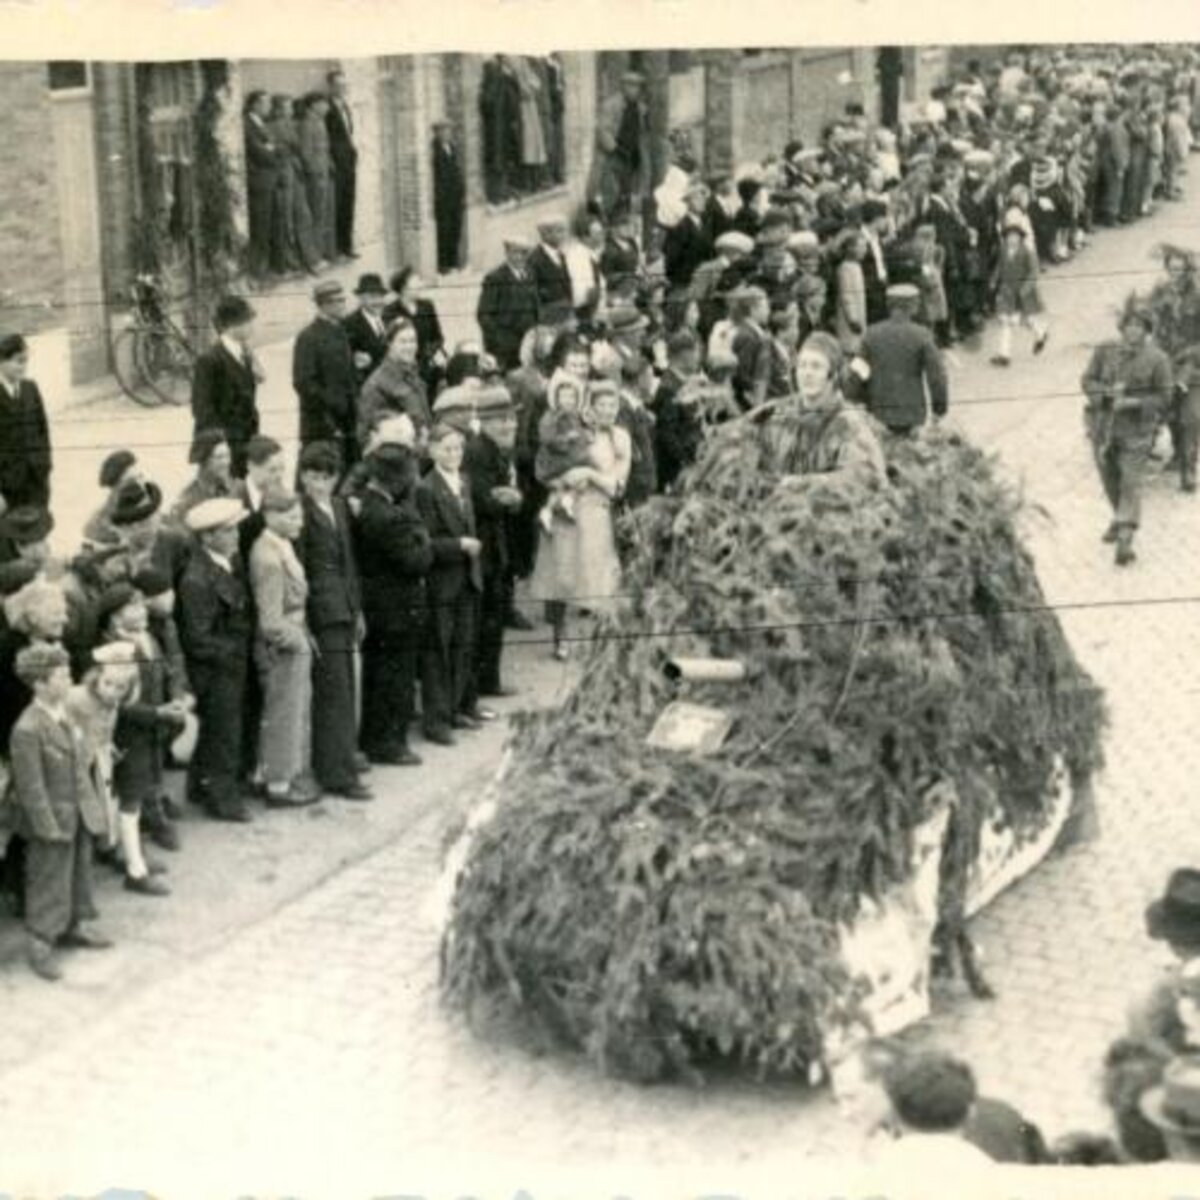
(161, 30)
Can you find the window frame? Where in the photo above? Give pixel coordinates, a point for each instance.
(66, 93)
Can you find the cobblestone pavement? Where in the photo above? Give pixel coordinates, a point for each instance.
(311, 1044)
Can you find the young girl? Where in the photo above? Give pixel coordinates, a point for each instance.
(564, 446)
(935, 310)
(1017, 296)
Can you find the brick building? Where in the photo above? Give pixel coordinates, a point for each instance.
(101, 159)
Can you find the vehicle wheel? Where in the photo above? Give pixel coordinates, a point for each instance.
(127, 366)
(166, 361)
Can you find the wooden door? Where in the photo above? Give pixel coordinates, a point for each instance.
(79, 218)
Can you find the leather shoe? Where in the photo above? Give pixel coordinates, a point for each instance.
(162, 834)
(353, 791)
(465, 722)
(482, 715)
(237, 813)
(147, 885)
(43, 962)
(294, 797)
(500, 693)
(516, 620)
(362, 764)
(84, 939)
(440, 737)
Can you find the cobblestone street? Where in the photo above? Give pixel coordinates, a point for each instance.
(308, 1045)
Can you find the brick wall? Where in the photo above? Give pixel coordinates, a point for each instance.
(31, 265)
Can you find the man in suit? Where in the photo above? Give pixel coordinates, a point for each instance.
(365, 326)
(678, 423)
(226, 378)
(449, 197)
(60, 812)
(899, 372)
(324, 375)
(215, 628)
(455, 582)
(394, 555)
(548, 266)
(264, 161)
(335, 620)
(25, 459)
(508, 305)
(488, 464)
(686, 245)
(344, 154)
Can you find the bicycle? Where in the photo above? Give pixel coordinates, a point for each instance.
(152, 358)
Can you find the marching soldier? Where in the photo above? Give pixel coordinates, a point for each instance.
(1128, 386)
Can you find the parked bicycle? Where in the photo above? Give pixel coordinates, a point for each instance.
(153, 358)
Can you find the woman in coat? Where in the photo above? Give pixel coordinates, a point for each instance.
(318, 173)
(851, 293)
(283, 653)
(396, 386)
(411, 306)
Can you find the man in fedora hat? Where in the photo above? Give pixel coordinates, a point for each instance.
(508, 304)
(1128, 387)
(226, 378)
(898, 371)
(365, 326)
(325, 377)
(394, 556)
(216, 627)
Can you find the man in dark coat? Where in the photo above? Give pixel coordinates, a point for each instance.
(495, 498)
(508, 305)
(344, 155)
(686, 245)
(225, 381)
(874, 219)
(902, 374)
(455, 583)
(449, 197)
(335, 620)
(394, 556)
(324, 376)
(264, 163)
(25, 459)
(500, 121)
(215, 629)
(366, 327)
(548, 266)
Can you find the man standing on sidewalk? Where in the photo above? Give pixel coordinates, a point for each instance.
(344, 154)
(324, 376)
(1128, 386)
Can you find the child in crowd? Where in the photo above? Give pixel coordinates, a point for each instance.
(931, 259)
(144, 718)
(61, 814)
(1017, 297)
(564, 447)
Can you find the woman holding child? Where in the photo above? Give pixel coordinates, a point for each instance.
(583, 460)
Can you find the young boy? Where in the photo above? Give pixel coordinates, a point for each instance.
(60, 812)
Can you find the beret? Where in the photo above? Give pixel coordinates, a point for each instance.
(114, 466)
(37, 661)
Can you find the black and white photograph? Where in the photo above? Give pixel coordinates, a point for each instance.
(625, 611)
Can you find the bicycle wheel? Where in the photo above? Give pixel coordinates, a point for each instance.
(166, 361)
(127, 366)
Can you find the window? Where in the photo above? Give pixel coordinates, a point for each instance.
(522, 100)
(67, 76)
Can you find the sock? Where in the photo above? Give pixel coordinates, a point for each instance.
(131, 845)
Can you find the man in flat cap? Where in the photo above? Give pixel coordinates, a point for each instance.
(324, 375)
(508, 305)
(25, 458)
(622, 162)
(226, 378)
(1128, 385)
(899, 371)
(61, 813)
(495, 498)
(216, 627)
